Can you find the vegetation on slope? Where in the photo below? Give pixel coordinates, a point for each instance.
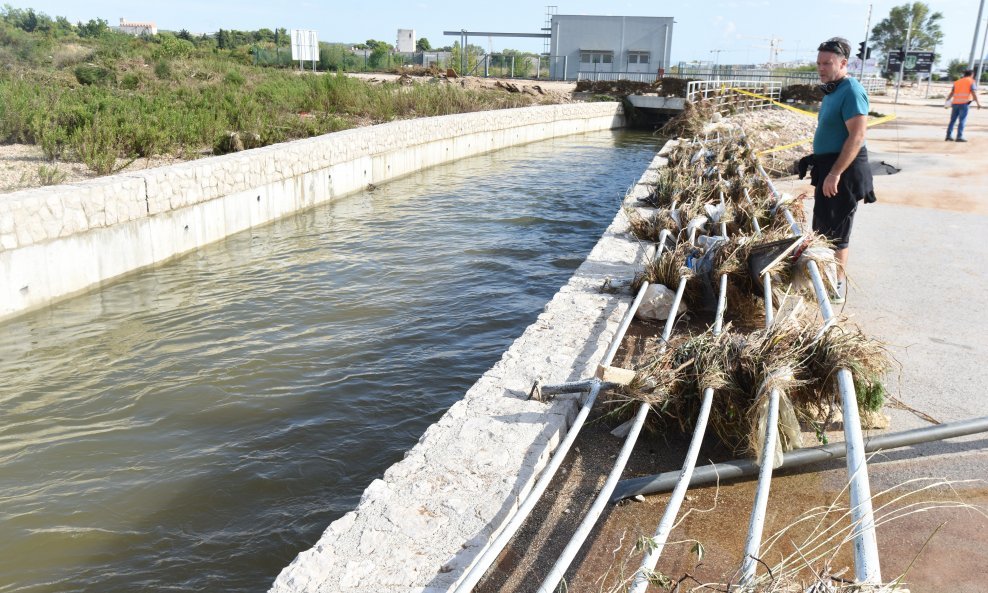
(87, 93)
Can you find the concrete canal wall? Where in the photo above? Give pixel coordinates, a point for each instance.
(62, 240)
(424, 524)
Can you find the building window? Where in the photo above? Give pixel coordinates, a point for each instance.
(638, 57)
(596, 57)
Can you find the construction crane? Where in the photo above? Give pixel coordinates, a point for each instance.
(774, 47)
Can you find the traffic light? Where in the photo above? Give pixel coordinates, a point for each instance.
(861, 51)
(867, 53)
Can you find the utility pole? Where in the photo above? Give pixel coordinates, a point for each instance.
(905, 52)
(974, 42)
(716, 62)
(981, 58)
(864, 57)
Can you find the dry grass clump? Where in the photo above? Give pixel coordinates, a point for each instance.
(708, 181)
(793, 357)
(691, 121)
(668, 268)
(649, 227)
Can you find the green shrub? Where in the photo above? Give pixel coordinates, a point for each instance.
(50, 175)
(91, 74)
(234, 77)
(163, 69)
(52, 139)
(97, 146)
(130, 81)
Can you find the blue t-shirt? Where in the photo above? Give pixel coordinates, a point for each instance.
(847, 101)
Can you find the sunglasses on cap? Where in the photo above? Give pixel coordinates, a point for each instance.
(832, 47)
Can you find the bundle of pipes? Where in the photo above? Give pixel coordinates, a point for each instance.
(865, 545)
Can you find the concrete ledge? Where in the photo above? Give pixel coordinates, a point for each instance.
(421, 527)
(58, 241)
(656, 102)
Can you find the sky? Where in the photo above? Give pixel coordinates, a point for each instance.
(722, 31)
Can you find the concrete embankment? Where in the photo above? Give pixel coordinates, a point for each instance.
(422, 526)
(61, 240)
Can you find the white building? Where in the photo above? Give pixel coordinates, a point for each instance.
(406, 40)
(609, 47)
(137, 29)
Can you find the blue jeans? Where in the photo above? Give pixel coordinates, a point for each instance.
(958, 113)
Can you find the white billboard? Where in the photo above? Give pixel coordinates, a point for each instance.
(305, 45)
(870, 65)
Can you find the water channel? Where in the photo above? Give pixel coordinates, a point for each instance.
(195, 426)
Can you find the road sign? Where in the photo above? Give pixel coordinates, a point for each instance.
(915, 61)
(305, 45)
(870, 65)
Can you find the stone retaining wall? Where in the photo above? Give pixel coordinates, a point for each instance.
(422, 526)
(61, 240)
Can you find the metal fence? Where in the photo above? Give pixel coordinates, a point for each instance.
(510, 66)
(632, 76)
(785, 77)
(874, 85)
(736, 95)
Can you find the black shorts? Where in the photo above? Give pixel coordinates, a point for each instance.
(834, 217)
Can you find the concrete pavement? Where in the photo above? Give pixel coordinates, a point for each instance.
(918, 282)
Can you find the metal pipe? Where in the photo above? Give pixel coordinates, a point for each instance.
(825, 308)
(740, 468)
(792, 222)
(583, 530)
(867, 567)
(623, 328)
(662, 531)
(575, 387)
(775, 192)
(866, 560)
(492, 551)
(662, 241)
(668, 520)
(756, 524)
(721, 305)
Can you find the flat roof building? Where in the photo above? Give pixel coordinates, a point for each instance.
(609, 47)
(137, 29)
(406, 40)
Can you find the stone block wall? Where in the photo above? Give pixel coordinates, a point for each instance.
(62, 240)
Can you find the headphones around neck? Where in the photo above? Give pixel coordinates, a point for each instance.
(829, 87)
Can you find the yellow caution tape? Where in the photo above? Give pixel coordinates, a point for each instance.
(774, 102)
(783, 147)
(874, 122)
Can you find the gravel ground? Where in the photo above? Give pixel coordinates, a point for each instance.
(20, 165)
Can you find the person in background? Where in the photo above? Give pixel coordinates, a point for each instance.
(959, 99)
(840, 172)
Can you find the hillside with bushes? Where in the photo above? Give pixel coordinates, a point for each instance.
(86, 93)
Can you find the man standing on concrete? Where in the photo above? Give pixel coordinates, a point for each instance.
(960, 98)
(840, 173)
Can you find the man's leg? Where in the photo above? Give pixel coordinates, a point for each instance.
(841, 255)
(962, 117)
(954, 112)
